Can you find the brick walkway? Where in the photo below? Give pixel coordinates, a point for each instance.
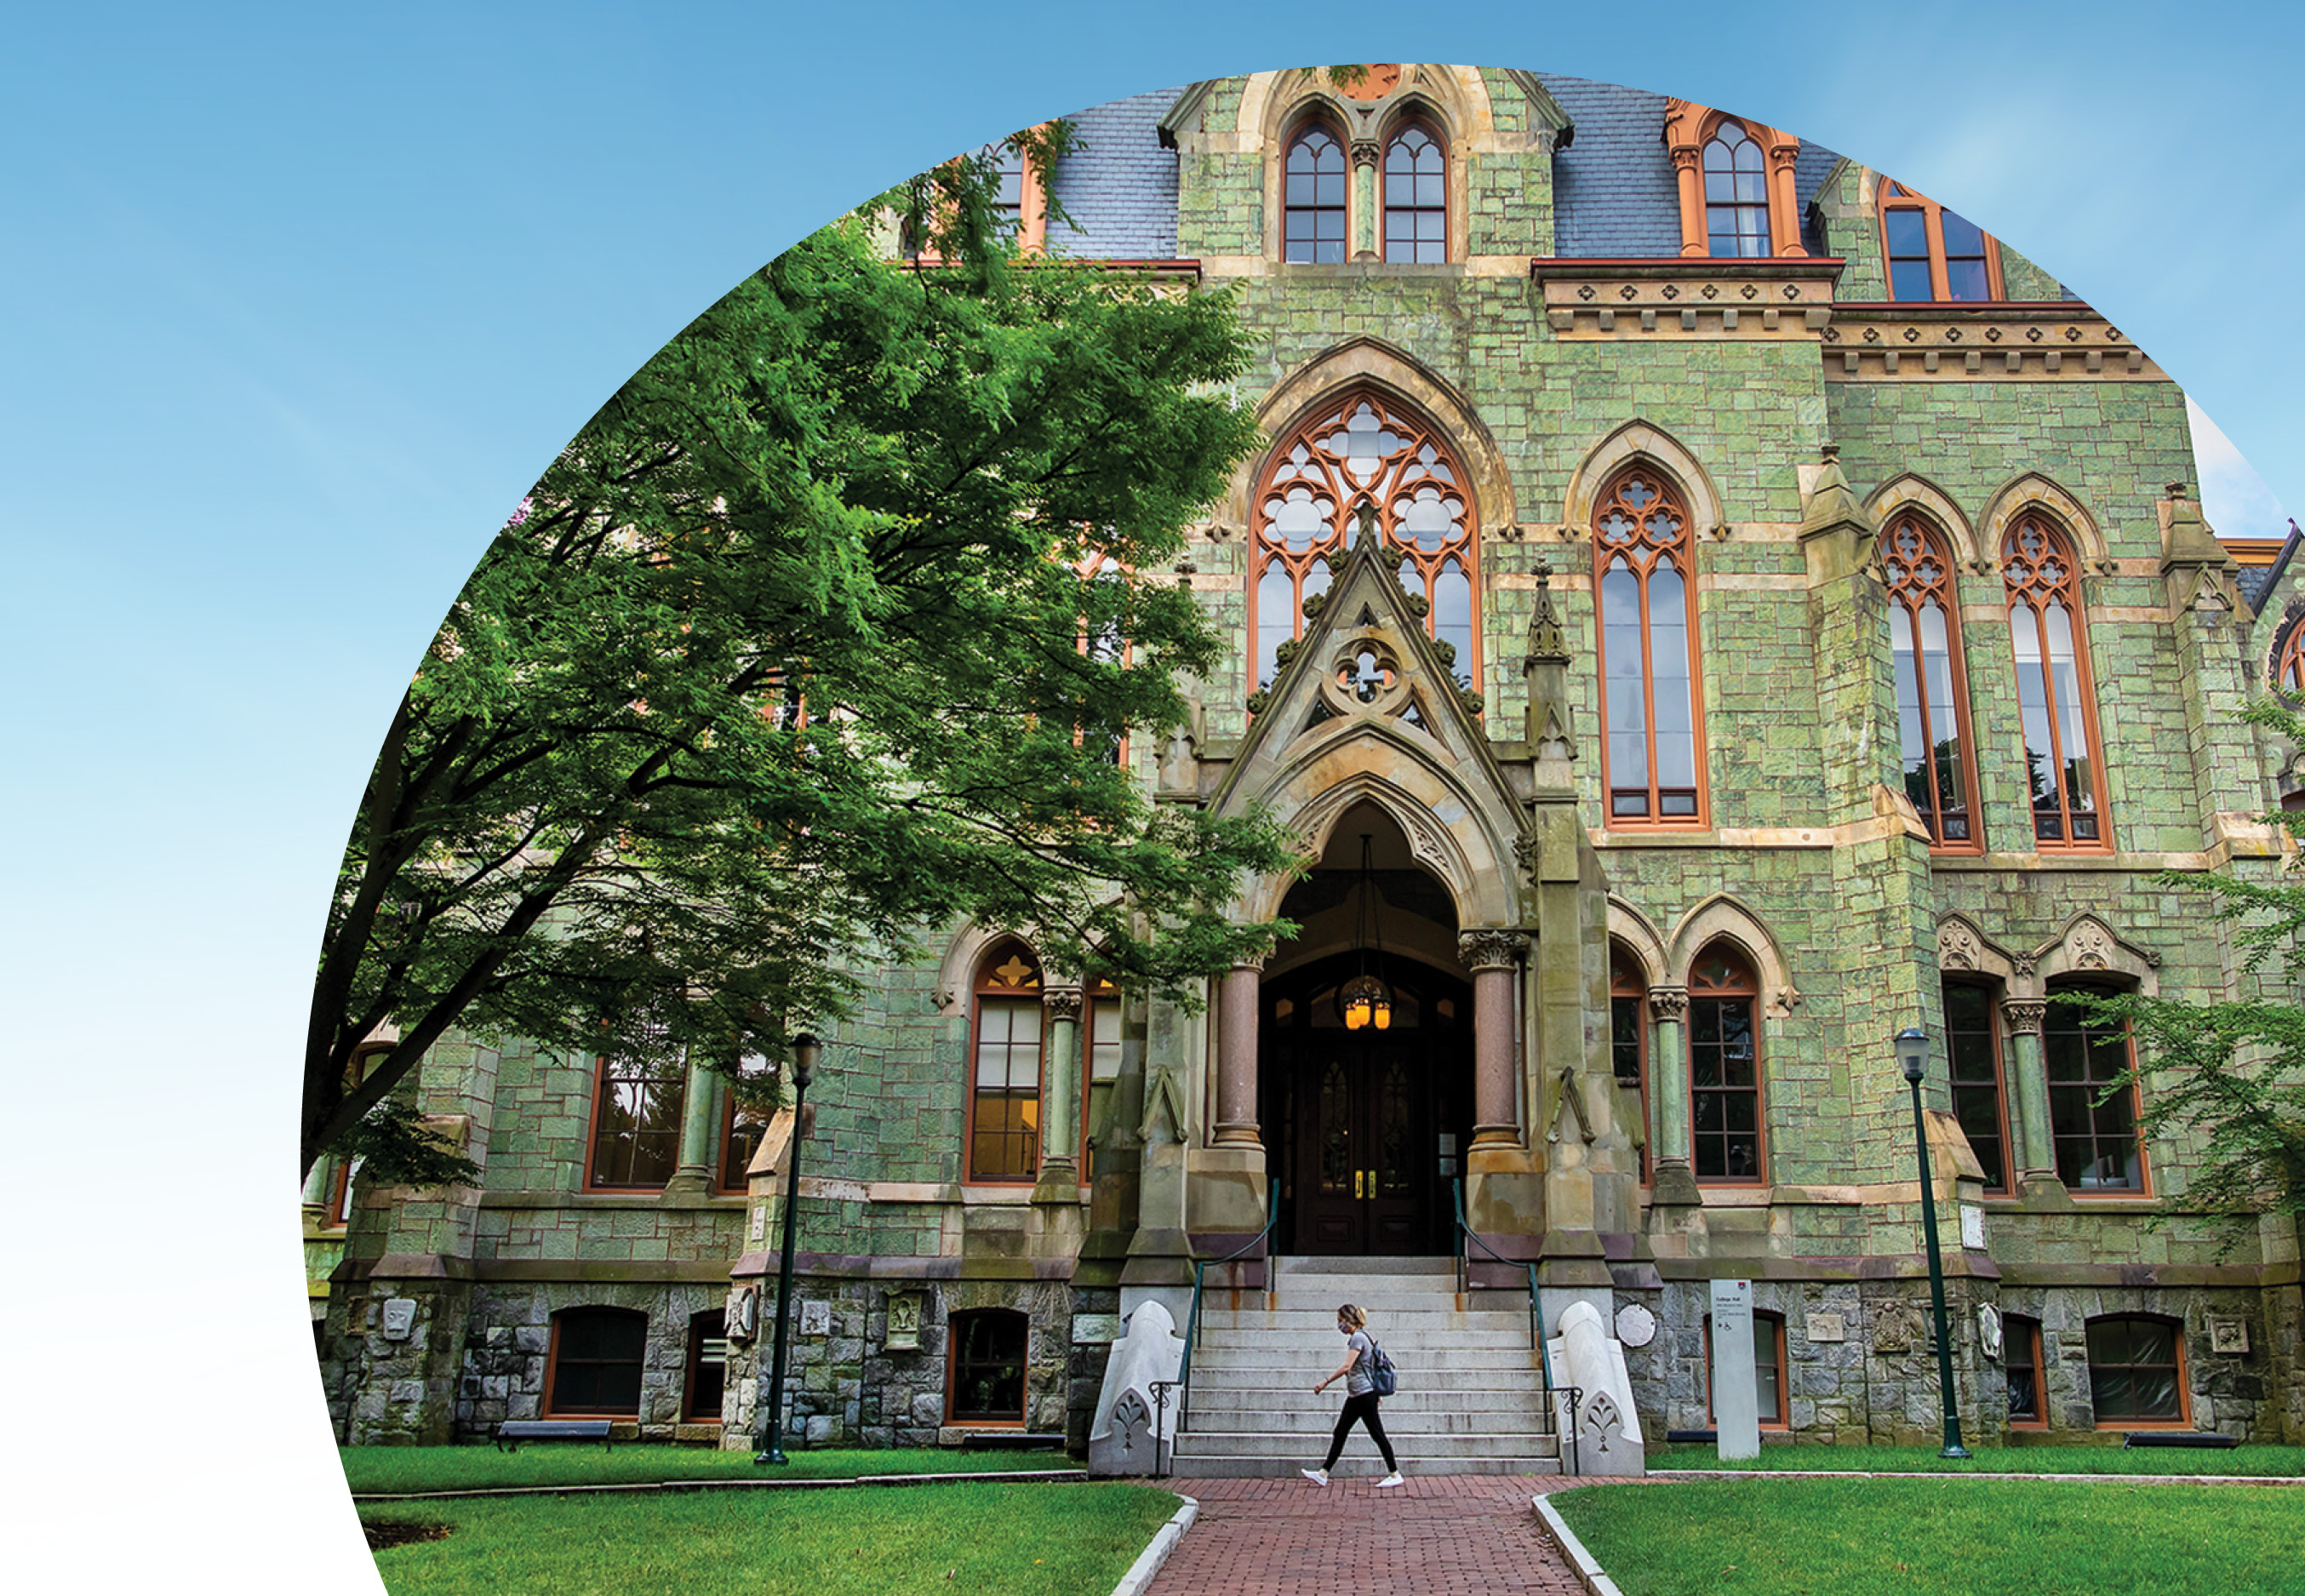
(1449, 1535)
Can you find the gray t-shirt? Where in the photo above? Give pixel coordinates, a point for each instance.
(1357, 1383)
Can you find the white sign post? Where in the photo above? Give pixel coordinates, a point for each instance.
(1736, 1404)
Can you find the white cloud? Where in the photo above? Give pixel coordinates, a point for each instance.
(2233, 496)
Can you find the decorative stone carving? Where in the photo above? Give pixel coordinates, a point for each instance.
(1491, 950)
(1126, 1436)
(1822, 1327)
(1548, 641)
(2230, 1335)
(1669, 1003)
(1957, 946)
(816, 1318)
(904, 1312)
(1061, 1003)
(742, 1315)
(2090, 946)
(1988, 1330)
(1897, 1326)
(399, 1317)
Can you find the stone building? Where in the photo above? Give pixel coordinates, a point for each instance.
(1705, 607)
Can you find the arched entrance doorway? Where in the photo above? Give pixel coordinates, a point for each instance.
(1366, 1128)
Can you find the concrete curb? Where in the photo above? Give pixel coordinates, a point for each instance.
(1164, 1541)
(1581, 1562)
(989, 1476)
(1972, 1474)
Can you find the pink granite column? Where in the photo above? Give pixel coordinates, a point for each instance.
(1237, 1054)
(1493, 956)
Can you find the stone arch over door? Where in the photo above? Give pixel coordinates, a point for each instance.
(1467, 856)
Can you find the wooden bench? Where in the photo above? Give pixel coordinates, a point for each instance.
(2177, 1437)
(513, 1431)
(1010, 1440)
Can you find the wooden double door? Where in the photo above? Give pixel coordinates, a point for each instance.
(1367, 1128)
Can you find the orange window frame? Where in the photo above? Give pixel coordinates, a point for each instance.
(2016, 1329)
(2041, 576)
(2177, 1328)
(553, 1360)
(1032, 205)
(676, 1079)
(2288, 674)
(1626, 986)
(1343, 210)
(1303, 512)
(1775, 1323)
(1017, 987)
(1395, 139)
(1722, 978)
(2060, 1020)
(955, 1332)
(1991, 1030)
(1641, 529)
(1919, 569)
(710, 1325)
(1896, 196)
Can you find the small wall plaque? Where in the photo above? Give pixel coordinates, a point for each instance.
(904, 1322)
(1095, 1330)
(399, 1317)
(2229, 1334)
(1827, 1327)
(816, 1318)
(1972, 1227)
(1897, 1328)
(1636, 1325)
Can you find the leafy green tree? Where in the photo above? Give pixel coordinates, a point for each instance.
(800, 646)
(2233, 1073)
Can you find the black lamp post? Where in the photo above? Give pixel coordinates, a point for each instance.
(772, 1449)
(1913, 1055)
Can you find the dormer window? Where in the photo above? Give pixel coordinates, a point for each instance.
(1313, 209)
(1736, 194)
(1933, 254)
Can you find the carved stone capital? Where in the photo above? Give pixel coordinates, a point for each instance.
(2025, 1015)
(1491, 950)
(1669, 1003)
(1251, 962)
(1061, 1003)
(1367, 152)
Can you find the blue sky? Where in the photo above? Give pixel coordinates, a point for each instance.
(298, 300)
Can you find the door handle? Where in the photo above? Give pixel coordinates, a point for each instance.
(1356, 1183)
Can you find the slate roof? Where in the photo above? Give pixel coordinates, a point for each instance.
(1120, 185)
(1613, 190)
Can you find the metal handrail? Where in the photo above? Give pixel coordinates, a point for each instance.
(1193, 1319)
(1538, 1339)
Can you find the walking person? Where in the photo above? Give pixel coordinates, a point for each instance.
(1361, 1399)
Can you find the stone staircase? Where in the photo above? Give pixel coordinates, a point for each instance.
(1471, 1398)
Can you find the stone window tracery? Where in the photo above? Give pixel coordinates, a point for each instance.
(1932, 693)
(1315, 182)
(1416, 196)
(2052, 687)
(1364, 450)
(1651, 743)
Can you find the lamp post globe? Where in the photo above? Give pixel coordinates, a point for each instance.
(1912, 1048)
(805, 1049)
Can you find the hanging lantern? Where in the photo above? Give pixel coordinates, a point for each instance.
(1365, 1001)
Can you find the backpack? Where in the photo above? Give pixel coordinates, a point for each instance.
(1384, 1381)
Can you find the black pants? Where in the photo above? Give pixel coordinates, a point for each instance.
(1361, 1409)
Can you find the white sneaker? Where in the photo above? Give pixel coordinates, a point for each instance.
(1392, 1478)
(1317, 1476)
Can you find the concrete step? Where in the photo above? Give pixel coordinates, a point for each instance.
(1332, 1264)
(1437, 1363)
(1427, 1342)
(1219, 1419)
(1521, 1397)
(1352, 1466)
(1245, 1443)
(1439, 1313)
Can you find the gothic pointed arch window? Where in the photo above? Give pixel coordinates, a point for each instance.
(1932, 690)
(1652, 747)
(1724, 1068)
(1628, 1038)
(1416, 195)
(1364, 449)
(1736, 193)
(1004, 1099)
(2288, 664)
(1313, 186)
(2053, 696)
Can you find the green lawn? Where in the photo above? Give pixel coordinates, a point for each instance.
(385, 1470)
(1018, 1539)
(1942, 1538)
(2259, 1460)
